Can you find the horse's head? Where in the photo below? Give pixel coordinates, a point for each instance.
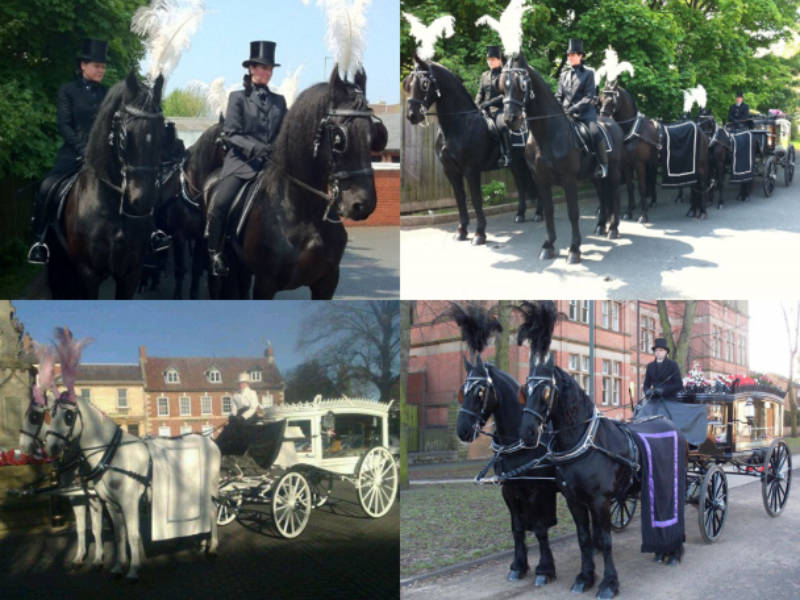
(517, 87)
(422, 90)
(34, 426)
(609, 100)
(705, 119)
(346, 138)
(66, 424)
(137, 131)
(478, 400)
(538, 397)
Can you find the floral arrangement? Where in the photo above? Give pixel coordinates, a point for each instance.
(697, 383)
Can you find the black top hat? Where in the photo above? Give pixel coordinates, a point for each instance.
(739, 94)
(575, 45)
(261, 53)
(94, 51)
(494, 52)
(661, 343)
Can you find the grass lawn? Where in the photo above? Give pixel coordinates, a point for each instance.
(793, 443)
(14, 279)
(441, 525)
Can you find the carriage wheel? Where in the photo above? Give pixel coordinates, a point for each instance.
(622, 512)
(788, 167)
(228, 509)
(770, 176)
(776, 478)
(291, 504)
(377, 482)
(321, 485)
(712, 507)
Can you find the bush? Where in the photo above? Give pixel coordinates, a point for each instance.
(494, 192)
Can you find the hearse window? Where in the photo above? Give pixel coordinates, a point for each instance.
(351, 435)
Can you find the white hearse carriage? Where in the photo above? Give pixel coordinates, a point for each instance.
(291, 456)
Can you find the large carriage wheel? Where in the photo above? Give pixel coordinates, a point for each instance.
(770, 176)
(320, 482)
(712, 507)
(291, 504)
(228, 509)
(776, 478)
(788, 166)
(622, 512)
(377, 481)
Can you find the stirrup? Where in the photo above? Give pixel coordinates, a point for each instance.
(39, 254)
(218, 266)
(159, 241)
(601, 171)
(504, 160)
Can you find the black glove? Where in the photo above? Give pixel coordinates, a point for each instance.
(261, 150)
(658, 391)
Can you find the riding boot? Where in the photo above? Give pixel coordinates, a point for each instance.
(505, 148)
(39, 253)
(600, 152)
(216, 221)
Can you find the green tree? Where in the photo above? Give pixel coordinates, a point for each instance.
(185, 103)
(307, 380)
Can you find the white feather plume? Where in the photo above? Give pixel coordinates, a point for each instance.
(692, 95)
(346, 32)
(509, 27)
(288, 87)
(611, 68)
(426, 36)
(217, 97)
(700, 96)
(167, 27)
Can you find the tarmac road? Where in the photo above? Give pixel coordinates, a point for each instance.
(744, 250)
(756, 556)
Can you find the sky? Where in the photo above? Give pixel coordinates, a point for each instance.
(769, 349)
(168, 328)
(222, 42)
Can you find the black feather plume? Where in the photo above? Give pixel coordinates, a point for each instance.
(477, 325)
(538, 325)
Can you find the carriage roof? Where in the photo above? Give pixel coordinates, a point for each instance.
(741, 395)
(319, 407)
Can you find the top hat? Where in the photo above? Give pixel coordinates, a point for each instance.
(261, 53)
(494, 52)
(244, 378)
(94, 51)
(661, 343)
(739, 94)
(575, 45)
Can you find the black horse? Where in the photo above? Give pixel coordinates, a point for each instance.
(490, 392)
(320, 170)
(595, 457)
(108, 214)
(465, 145)
(556, 154)
(720, 155)
(699, 162)
(641, 147)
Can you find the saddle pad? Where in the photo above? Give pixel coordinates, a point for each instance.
(679, 158)
(743, 156)
(181, 486)
(662, 449)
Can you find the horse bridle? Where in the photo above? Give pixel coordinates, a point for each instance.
(532, 384)
(39, 414)
(470, 383)
(526, 87)
(118, 139)
(71, 417)
(613, 94)
(427, 83)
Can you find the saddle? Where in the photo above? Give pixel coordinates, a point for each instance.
(240, 209)
(57, 194)
(585, 136)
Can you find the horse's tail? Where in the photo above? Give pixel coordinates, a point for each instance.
(538, 325)
(477, 324)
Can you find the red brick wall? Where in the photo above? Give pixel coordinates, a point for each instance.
(387, 211)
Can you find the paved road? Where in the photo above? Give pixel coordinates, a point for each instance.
(745, 250)
(341, 554)
(756, 556)
(370, 269)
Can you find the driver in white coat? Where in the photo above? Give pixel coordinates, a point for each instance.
(246, 401)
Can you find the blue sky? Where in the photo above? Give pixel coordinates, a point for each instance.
(169, 328)
(222, 42)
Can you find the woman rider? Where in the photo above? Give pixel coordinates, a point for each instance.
(252, 121)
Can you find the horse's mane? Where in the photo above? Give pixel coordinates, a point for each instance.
(572, 398)
(633, 100)
(539, 84)
(202, 154)
(455, 85)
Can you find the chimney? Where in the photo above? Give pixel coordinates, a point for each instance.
(269, 353)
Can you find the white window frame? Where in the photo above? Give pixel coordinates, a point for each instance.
(606, 390)
(185, 428)
(573, 310)
(615, 312)
(574, 362)
(585, 308)
(255, 376)
(267, 400)
(585, 364)
(164, 431)
(605, 319)
(206, 400)
(606, 367)
(172, 376)
(615, 397)
(158, 407)
(230, 404)
(181, 411)
(122, 398)
(214, 375)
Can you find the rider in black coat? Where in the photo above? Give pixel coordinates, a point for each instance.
(252, 121)
(77, 106)
(576, 92)
(490, 100)
(663, 376)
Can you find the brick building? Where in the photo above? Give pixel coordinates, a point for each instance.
(117, 390)
(611, 369)
(195, 394)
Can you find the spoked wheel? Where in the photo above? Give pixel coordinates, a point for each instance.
(622, 512)
(377, 481)
(776, 478)
(770, 176)
(788, 167)
(712, 507)
(291, 504)
(320, 482)
(228, 509)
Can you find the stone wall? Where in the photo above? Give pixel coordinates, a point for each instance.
(16, 375)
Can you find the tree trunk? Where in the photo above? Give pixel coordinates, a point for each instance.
(405, 341)
(502, 359)
(679, 351)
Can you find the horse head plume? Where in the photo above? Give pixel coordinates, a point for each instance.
(346, 32)
(539, 321)
(166, 28)
(288, 87)
(692, 95)
(46, 356)
(509, 27)
(612, 68)
(427, 35)
(476, 323)
(69, 352)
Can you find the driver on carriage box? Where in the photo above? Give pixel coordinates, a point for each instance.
(739, 113)
(245, 402)
(576, 93)
(490, 100)
(663, 376)
(252, 121)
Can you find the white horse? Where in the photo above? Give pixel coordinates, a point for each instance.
(32, 435)
(125, 477)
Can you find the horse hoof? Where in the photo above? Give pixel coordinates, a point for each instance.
(658, 557)
(547, 253)
(613, 234)
(627, 216)
(642, 219)
(573, 257)
(702, 216)
(537, 218)
(599, 230)
(513, 575)
(519, 219)
(479, 239)
(461, 235)
(541, 580)
(97, 566)
(578, 587)
(606, 593)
